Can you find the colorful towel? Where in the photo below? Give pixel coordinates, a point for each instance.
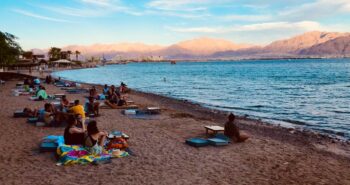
(74, 154)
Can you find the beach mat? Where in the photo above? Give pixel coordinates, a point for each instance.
(217, 142)
(197, 142)
(119, 107)
(138, 114)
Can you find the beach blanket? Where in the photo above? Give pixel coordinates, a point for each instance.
(75, 154)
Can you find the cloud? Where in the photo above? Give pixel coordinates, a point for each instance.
(302, 25)
(27, 13)
(182, 5)
(315, 10)
(97, 2)
(248, 18)
(92, 8)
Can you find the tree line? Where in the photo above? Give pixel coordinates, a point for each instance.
(10, 51)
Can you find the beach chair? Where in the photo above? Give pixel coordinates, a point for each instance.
(197, 142)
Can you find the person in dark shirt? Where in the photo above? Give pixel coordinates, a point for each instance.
(232, 131)
(73, 135)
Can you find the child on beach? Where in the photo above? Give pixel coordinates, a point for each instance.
(232, 131)
(78, 109)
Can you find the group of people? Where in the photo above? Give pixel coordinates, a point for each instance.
(114, 97)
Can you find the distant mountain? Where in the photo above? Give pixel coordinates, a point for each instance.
(297, 43)
(310, 43)
(283, 48)
(208, 46)
(336, 47)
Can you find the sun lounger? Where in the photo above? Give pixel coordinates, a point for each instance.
(19, 84)
(153, 110)
(58, 95)
(76, 91)
(104, 106)
(19, 114)
(140, 114)
(40, 124)
(217, 142)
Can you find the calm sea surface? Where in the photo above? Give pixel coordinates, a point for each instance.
(309, 94)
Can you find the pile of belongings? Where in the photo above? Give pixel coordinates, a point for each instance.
(116, 146)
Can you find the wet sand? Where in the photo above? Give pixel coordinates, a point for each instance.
(272, 155)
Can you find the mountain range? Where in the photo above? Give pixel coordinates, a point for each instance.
(310, 44)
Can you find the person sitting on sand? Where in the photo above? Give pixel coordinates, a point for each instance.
(95, 139)
(232, 131)
(93, 92)
(123, 88)
(64, 104)
(78, 109)
(92, 107)
(114, 99)
(48, 115)
(41, 93)
(105, 89)
(72, 134)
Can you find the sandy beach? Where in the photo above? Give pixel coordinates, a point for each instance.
(272, 155)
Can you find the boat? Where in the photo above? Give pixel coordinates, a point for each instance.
(173, 62)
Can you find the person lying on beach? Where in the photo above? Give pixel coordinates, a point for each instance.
(78, 109)
(64, 106)
(95, 139)
(232, 131)
(31, 113)
(105, 89)
(72, 134)
(92, 107)
(41, 93)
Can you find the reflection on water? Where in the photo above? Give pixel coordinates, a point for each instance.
(311, 94)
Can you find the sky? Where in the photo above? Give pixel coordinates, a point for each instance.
(47, 23)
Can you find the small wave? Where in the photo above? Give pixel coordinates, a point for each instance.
(341, 112)
(295, 122)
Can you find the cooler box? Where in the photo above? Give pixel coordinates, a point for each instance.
(197, 142)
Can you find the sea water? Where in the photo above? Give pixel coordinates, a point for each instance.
(310, 94)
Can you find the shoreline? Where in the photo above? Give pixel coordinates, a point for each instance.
(272, 155)
(220, 116)
(222, 113)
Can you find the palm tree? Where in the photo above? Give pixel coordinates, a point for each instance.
(77, 53)
(54, 53)
(69, 52)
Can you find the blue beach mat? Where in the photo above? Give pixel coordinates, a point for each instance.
(138, 114)
(197, 142)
